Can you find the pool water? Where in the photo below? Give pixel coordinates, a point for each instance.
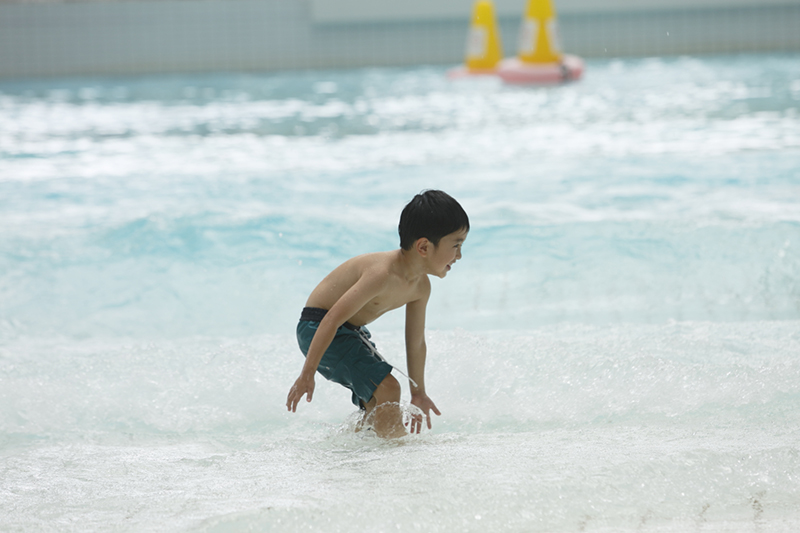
(618, 349)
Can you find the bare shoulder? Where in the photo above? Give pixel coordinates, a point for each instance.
(375, 265)
(372, 260)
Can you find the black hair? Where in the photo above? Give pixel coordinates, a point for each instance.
(431, 214)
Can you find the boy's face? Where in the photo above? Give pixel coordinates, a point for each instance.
(447, 252)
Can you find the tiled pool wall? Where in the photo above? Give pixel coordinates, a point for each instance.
(159, 36)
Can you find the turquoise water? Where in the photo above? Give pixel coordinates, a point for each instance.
(618, 350)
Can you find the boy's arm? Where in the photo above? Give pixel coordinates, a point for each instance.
(367, 287)
(416, 352)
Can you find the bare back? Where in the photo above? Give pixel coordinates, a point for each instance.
(390, 282)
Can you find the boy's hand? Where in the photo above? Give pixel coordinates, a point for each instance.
(426, 405)
(303, 385)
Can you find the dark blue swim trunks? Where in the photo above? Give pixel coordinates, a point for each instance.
(351, 360)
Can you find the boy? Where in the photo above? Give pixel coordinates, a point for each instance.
(331, 331)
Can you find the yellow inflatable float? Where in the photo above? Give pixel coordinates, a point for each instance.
(484, 48)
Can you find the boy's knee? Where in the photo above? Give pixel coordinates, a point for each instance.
(388, 390)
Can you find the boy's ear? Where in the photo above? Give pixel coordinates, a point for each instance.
(423, 246)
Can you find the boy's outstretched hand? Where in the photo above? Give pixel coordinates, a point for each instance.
(303, 385)
(425, 405)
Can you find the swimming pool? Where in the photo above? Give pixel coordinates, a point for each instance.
(617, 350)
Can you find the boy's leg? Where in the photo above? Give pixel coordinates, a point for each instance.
(351, 363)
(384, 409)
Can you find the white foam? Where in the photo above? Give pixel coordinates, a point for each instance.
(627, 300)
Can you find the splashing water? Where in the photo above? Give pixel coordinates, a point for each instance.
(617, 350)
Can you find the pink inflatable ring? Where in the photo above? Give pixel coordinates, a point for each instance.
(514, 71)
